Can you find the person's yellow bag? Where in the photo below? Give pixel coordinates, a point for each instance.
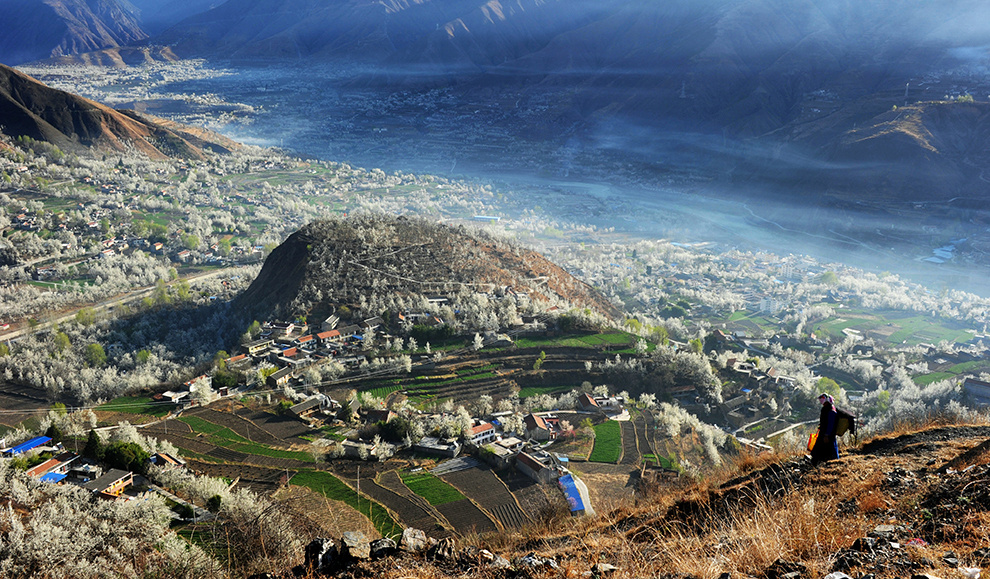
(812, 440)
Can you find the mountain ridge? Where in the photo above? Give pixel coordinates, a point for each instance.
(73, 123)
(35, 30)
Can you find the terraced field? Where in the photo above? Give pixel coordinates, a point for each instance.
(239, 424)
(630, 451)
(467, 518)
(532, 497)
(259, 479)
(333, 488)
(408, 512)
(608, 442)
(484, 488)
(391, 481)
(284, 428)
(227, 455)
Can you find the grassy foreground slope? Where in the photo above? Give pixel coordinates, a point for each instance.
(900, 504)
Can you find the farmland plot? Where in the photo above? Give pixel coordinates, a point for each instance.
(608, 442)
(484, 488)
(467, 518)
(630, 450)
(281, 427)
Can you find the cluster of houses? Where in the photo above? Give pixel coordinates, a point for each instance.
(66, 467)
(761, 392)
(293, 346)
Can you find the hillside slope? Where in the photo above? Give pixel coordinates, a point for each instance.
(898, 506)
(29, 108)
(37, 29)
(339, 262)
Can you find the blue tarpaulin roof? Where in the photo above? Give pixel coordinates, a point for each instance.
(53, 477)
(571, 492)
(29, 444)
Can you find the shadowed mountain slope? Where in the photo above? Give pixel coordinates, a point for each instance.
(38, 29)
(29, 108)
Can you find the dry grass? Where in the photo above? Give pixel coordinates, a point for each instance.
(723, 523)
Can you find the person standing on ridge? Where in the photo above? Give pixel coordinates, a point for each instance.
(826, 448)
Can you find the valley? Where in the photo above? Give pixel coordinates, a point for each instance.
(642, 185)
(367, 288)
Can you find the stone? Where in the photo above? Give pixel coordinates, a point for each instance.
(725, 576)
(413, 540)
(381, 548)
(602, 569)
(443, 550)
(950, 559)
(493, 560)
(533, 561)
(320, 554)
(923, 576)
(354, 546)
(500, 562)
(783, 569)
(884, 532)
(864, 544)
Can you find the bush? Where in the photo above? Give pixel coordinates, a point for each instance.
(127, 456)
(185, 510)
(214, 503)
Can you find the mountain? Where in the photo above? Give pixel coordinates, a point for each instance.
(39, 29)
(157, 15)
(345, 262)
(755, 91)
(372, 29)
(72, 123)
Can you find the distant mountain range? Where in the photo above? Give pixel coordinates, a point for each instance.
(780, 89)
(29, 108)
(38, 29)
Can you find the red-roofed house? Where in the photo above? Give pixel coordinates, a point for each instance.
(482, 433)
(327, 336)
(588, 403)
(537, 428)
(43, 468)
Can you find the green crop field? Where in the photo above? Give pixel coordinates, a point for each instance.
(227, 438)
(382, 391)
(608, 442)
(137, 405)
(537, 390)
(431, 488)
(580, 341)
(332, 488)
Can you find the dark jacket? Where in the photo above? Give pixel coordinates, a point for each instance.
(826, 447)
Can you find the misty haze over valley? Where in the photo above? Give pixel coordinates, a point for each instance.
(354, 288)
(857, 131)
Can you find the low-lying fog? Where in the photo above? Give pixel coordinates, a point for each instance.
(670, 183)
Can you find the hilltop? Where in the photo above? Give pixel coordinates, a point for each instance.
(72, 123)
(379, 259)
